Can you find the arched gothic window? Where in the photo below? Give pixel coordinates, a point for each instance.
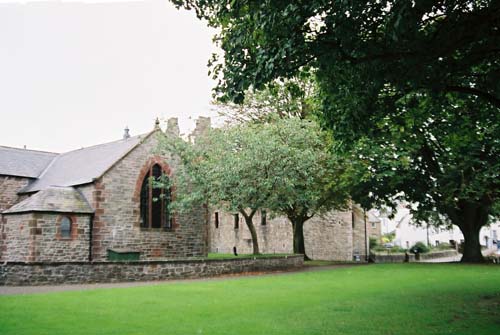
(155, 200)
(65, 227)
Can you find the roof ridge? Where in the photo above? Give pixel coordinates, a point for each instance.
(106, 143)
(46, 169)
(146, 135)
(97, 160)
(23, 149)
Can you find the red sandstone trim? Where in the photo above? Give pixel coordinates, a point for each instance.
(156, 159)
(74, 228)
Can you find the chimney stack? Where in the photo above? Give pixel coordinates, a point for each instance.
(173, 127)
(203, 125)
(126, 134)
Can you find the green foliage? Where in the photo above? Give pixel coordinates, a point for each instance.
(380, 249)
(373, 243)
(420, 248)
(380, 299)
(284, 166)
(430, 45)
(297, 97)
(389, 237)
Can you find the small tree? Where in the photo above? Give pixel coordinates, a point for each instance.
(283, 166)
(229, 168)
(310, 176)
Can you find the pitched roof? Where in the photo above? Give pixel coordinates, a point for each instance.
(53, 199)
(84, 165)
(23, 162)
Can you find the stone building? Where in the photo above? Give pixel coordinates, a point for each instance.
(82, 204)
(79, 205)
(337, 235)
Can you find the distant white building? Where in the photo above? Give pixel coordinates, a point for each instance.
(407, 233)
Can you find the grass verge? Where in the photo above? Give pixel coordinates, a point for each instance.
(375, 299)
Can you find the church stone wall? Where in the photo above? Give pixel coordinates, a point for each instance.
(9, 186)
(35, 237)
(327, 237)
(274, 238)
(116, 198)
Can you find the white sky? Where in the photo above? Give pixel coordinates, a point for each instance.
(74, 74)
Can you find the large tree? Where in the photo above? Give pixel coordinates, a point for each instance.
(283, 167)
(411, 87)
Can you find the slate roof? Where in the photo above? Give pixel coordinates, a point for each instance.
(84, 165)
(53, 199)
(23, 162)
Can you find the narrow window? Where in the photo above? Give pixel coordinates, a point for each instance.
(374, 225)
(263, 217)
(65, 227)
(236, 221)
(155, 200)
(216, 219)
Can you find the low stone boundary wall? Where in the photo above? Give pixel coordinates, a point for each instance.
(439, 254)
(400, 258)
(24, 274)
(390, 258)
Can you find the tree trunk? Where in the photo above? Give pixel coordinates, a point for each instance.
(298, 237)
(472, 218)
(472, 247)
(253, 232)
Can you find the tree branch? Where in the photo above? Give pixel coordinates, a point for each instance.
(474, 91)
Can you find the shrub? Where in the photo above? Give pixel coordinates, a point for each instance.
(443, 246)
(420, 248)
(373, 243)
(384, 250)
(397, 249)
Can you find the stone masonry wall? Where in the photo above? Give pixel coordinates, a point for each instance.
(35, 237)
(9, 186)
(274, 238)
(116, 198)
(103, 272)
(17, 238)
(329, 237)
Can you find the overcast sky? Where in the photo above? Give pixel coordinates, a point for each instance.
(74, 73)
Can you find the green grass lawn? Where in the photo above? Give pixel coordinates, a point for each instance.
(376, 299)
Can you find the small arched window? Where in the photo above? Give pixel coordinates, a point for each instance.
(65, 227)
(155, 200)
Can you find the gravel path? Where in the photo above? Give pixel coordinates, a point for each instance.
(14, 290)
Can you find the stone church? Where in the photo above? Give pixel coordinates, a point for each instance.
(82, 204)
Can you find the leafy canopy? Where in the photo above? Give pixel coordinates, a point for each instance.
(278, 166)
(410, 87)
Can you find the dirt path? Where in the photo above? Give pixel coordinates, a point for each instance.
(13, 290)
